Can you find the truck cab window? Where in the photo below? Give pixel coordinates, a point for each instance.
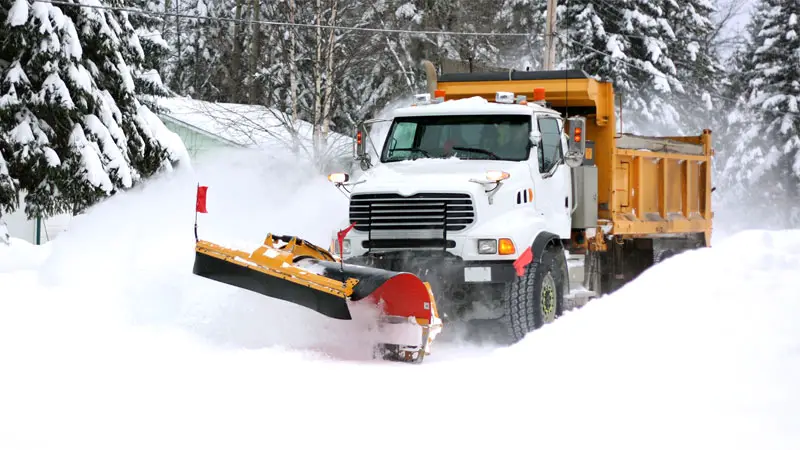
(499, 137)
(403, 137)
(550, 151)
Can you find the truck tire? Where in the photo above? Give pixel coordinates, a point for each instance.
(537, 297)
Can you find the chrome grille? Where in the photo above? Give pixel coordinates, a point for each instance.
(415, 217)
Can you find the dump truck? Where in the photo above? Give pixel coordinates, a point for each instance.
(516, 198)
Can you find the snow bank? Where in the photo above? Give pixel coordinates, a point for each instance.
(114, 344)
(22, 255)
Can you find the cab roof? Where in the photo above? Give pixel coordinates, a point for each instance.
(472, 106)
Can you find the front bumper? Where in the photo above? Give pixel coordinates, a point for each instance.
(445, 268)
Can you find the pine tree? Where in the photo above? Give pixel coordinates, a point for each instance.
(191, 64)
(37, 106)
(631, 43)
(765, 165)
(696, 62)
(9, 199)
(522, 16)
(9, 189)
(155, 51)
(74, 128)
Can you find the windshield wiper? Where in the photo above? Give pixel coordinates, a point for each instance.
(412, 150)
(418, 150)
(477, 150)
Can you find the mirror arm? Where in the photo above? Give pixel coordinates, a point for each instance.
(342, 187)
(489, 193)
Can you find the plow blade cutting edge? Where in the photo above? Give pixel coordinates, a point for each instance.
(296, 271)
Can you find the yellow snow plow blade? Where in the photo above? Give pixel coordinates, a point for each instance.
(296, 271)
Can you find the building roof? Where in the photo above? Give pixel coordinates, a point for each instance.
(242, 125)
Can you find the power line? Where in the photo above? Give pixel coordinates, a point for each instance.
(370, 29)
(280, 24)
(659, 74)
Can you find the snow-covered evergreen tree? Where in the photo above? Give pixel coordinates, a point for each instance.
(697, 63)
(660, 73)
(155, 51)
(764, 170)
(8, 192)
(36, 107)
(74, 128)
(522, 16)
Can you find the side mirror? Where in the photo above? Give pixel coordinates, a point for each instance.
(577, 144)
(360, 149)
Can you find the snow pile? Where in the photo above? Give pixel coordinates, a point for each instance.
(22, 255)
(113, 343)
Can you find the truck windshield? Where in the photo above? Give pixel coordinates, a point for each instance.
(504, 137)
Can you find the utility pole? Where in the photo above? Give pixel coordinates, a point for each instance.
(550, 41)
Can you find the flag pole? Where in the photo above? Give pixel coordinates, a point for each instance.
(195, 213)
(340, 237)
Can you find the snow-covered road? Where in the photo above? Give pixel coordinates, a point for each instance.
(108, 341)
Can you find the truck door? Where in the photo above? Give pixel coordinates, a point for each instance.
(551, 176)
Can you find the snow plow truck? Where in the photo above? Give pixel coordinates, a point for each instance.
(514, 196)
(485, 205)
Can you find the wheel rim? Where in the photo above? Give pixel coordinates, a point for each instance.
(548, 298)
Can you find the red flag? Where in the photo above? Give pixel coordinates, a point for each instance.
(524, 259)
(341, 234)
(201, 199)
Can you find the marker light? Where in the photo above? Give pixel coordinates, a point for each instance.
(504, 97)
(422, 99)
(506, 247)
(538, 94)
(358, 138)
(438, 93)
(497, 175)
(338, 177)
(578, 134)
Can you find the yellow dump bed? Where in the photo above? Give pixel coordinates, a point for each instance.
(646, 185)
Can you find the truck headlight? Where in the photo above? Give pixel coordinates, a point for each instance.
(487, 246)
(491, 246)
(345, 245)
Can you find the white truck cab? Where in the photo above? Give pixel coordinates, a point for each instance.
(462, 190)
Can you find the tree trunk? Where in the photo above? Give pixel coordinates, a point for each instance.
(326, 110)
(293, 73)
(178, 51)
(236, 57)
(317, 70)
(255, 53)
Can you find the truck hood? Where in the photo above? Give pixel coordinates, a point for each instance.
(410, 177)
